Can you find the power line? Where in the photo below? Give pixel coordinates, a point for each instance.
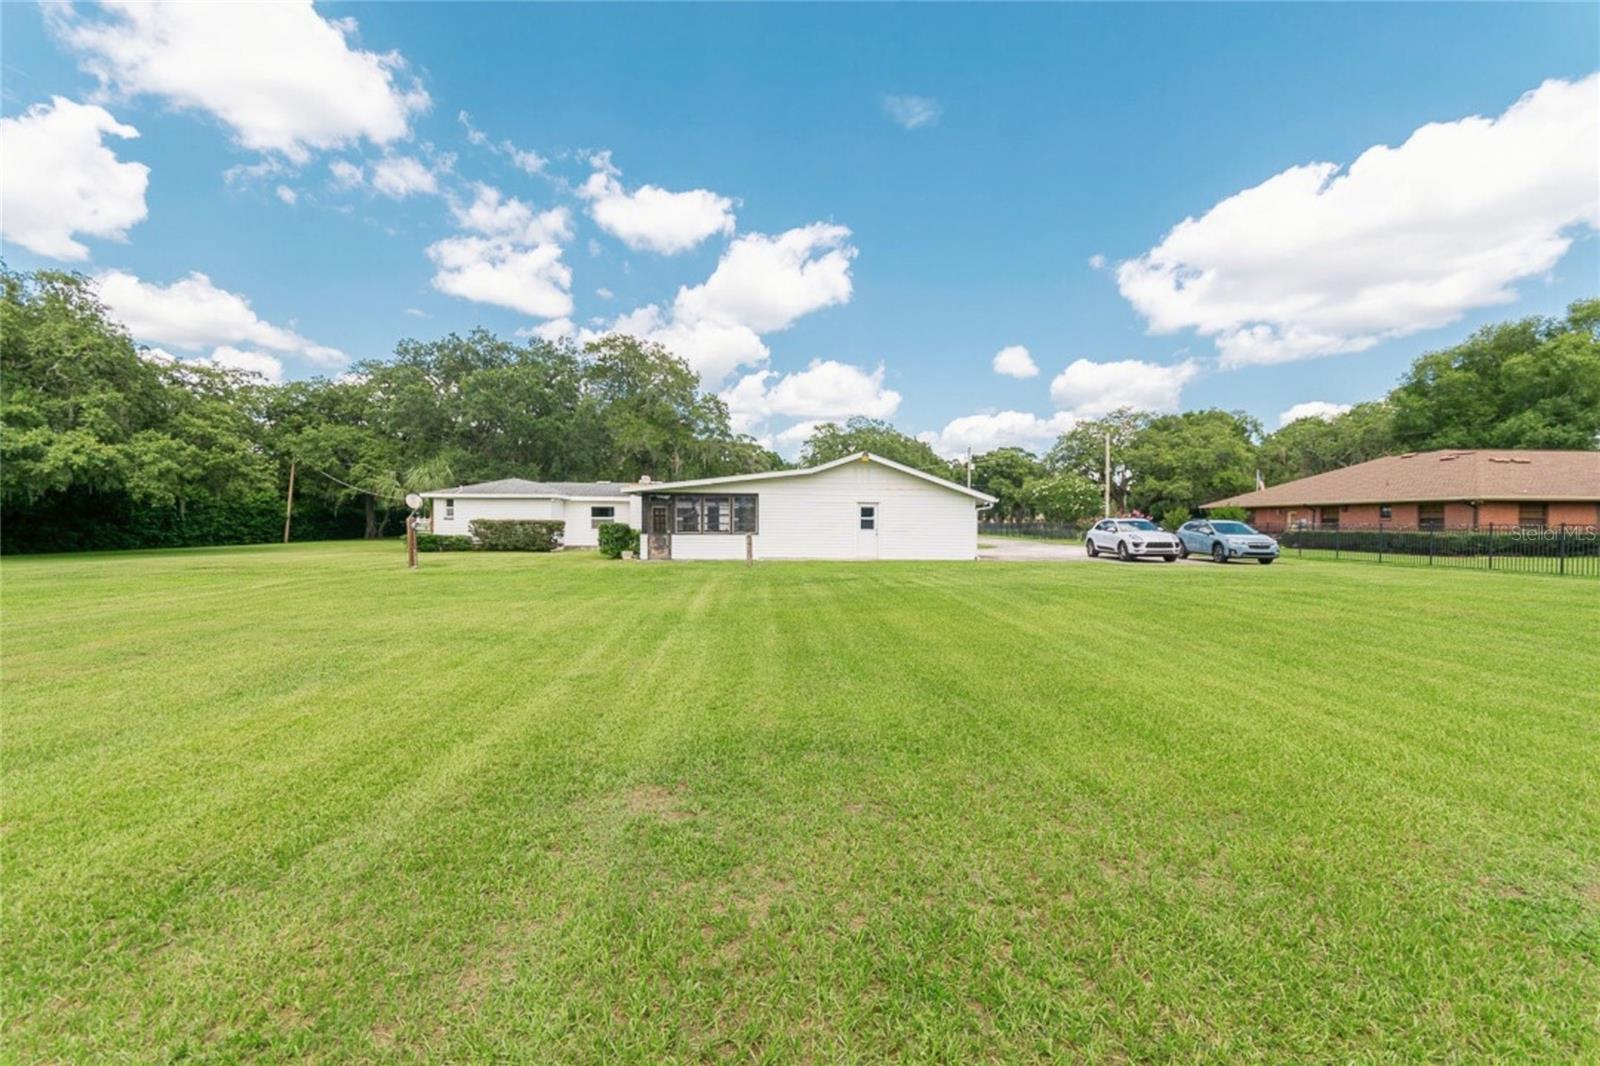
(355, 488)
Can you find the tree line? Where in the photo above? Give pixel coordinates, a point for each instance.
(104, 446)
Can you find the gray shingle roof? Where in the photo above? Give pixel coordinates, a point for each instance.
(516, 486)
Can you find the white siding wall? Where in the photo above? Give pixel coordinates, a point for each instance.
(815, 517)
(574, 512)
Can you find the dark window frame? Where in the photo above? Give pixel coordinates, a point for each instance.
(449, 509)
(1385, 511)
(867, 520)
(735, 509)
(1430, 516)
(598, 520)
(1538, 520)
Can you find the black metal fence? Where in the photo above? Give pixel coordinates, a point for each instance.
(1566, 550)
(1041, 530)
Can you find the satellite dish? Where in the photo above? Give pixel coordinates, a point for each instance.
(413, 501)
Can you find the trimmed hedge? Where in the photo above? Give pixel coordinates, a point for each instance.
(516, 534)
(443, 542)
(616, 538)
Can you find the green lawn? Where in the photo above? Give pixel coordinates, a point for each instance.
(273, 803)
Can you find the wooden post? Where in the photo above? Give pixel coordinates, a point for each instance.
(1106, 474)
(288, 503)
(749, 549)
(411, 540)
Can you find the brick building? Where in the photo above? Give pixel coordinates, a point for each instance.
(1458, 489)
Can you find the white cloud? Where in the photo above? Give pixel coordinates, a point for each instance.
(912, 112)
(416, 312)
(554, 330)
(193, 314)
(287, 195)
(650, 218)
(346, 175)
(1312, 409)
(281, 76)
(762, 284)
(60, 179)
(1001, 429)
(825, 389)
(1089, 390)
(604, 293)
(525, 160)
(790, 440)
(267, 366)
(1014, 362)
(1315, 261)
(516, 263)
(494, 214)
(1097, 262)
(531, 279)
(400, 176)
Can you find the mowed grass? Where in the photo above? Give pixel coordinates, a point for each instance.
(298, 803)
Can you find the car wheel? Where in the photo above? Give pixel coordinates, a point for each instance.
(1264, 562)
(1218, 553)
(1169, 558)
(1122, 551)
(1090, 549)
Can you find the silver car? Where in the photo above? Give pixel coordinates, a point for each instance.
(1131, 538)
(1225, 541)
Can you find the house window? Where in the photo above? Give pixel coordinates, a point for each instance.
(869, 516)
(717, 516)
(687, 509)
(449, 509)
(600, 515)
(1533, 515)
(714, 514)
(744, 514)
(1330, 517)
(1385, 511)
(1430, 516)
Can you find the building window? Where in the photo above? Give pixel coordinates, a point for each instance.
(1533, 515)
(1385, 511)
(714, 514)
(744, 514)
(598, 516)
(449, 509)
(1430, 516)
(717, 516)
(687, 509)
(869, 516)
(1330, 517)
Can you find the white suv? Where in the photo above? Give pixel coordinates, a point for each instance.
(1131, 538)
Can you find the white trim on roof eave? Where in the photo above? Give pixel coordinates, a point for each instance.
(768, 475)
(443, 494)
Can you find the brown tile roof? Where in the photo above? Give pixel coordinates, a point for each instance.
(1466, 474)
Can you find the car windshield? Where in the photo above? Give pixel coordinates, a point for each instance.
(1236, 528)
(1140, 524)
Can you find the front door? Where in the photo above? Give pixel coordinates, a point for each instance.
(660, 546)
(866, 531)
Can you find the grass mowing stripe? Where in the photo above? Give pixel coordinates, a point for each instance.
(671, 813)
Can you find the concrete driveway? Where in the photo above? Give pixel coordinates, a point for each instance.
(1017, 550)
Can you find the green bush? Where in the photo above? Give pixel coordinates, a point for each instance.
(616, 538)
(443, 542)
(1174, 517)
(516, 534)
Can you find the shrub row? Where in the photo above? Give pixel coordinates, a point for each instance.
(443, 542)
(516, 534)
(86, 521)
(616, 538)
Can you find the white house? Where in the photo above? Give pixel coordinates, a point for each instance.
(860, 507)
(582, 505)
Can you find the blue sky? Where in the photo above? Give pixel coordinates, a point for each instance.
(850, 209)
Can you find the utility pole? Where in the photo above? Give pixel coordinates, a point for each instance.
(288, 503)
(969, 467)
(1107, 482)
